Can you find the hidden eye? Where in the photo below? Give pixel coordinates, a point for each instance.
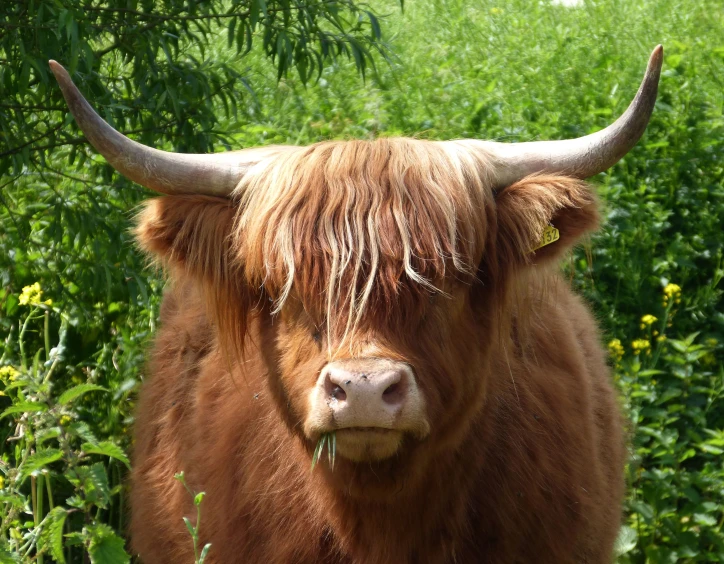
(317, 335)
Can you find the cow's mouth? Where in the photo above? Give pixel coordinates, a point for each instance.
(370, 403)
(364, 444)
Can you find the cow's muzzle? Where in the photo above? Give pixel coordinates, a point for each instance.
(371, 404)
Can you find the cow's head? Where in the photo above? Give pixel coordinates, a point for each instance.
(367, 266)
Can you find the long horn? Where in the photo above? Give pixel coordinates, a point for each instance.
(585, 156)
(214, 174)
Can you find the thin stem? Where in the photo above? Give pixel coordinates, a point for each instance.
(121, 497)
(46, 332)
(39, 517)
(51, 370)
(196, 531)
(21, 338)
(68, 549)
(34, 497)
(660, 344)
(51, 505)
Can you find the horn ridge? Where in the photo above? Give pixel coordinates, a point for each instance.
(582, 157)
(214, 174)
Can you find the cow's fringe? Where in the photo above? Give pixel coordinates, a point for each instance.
(353, 228)
(363, 233)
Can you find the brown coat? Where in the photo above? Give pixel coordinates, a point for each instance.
(524, 461)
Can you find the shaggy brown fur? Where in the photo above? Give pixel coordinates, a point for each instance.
(401, 244)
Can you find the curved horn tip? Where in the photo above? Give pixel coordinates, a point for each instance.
(59, 71)
(657, 57)
(55, 66)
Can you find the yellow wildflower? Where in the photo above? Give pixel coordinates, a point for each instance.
(616, 350)
(648, 319)
(661, 338)
(672, 293)
(671, 290)
(641, 346)
(31, 295)
(2, 482)
(65, 419)
(8, 373)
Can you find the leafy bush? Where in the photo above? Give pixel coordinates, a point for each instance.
(674, 393)
(55, 455)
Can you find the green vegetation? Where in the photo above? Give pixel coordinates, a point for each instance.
(328, 440)
(510, 70)
(193, 529)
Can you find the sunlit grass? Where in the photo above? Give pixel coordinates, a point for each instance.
(328, 441)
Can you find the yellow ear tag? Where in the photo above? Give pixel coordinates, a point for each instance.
(550, 235)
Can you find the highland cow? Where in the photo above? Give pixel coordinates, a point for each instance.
(367, 354)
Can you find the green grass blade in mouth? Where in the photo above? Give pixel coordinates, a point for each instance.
(330, 440)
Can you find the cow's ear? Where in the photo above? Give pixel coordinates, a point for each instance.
(191, 237)
(187, 232)
(543, 216)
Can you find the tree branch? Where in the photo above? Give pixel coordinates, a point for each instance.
(41, 108)
(74, 141)
(19, 148)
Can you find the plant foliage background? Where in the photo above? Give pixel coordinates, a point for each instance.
(215, 75)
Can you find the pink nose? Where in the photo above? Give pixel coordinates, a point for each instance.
(367, 393)
(386, 388)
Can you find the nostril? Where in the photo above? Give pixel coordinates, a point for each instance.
(334, 390)
(393, 394)
(338, 393)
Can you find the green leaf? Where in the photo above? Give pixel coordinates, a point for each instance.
(46, 435)
(99, 480)
(643, 509)
(11, 304)
(376, 31)
(711, 449)
(651, 372)
(190, 527)
(24, 407)
(83, 431)
(15, 500)
(204, 553)
(77, 391)
(52, 533)
(38, 461)
(705, 519)
(105, 546)
(74, 539)
(107, 448)
(626, 540)
(7, 558)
